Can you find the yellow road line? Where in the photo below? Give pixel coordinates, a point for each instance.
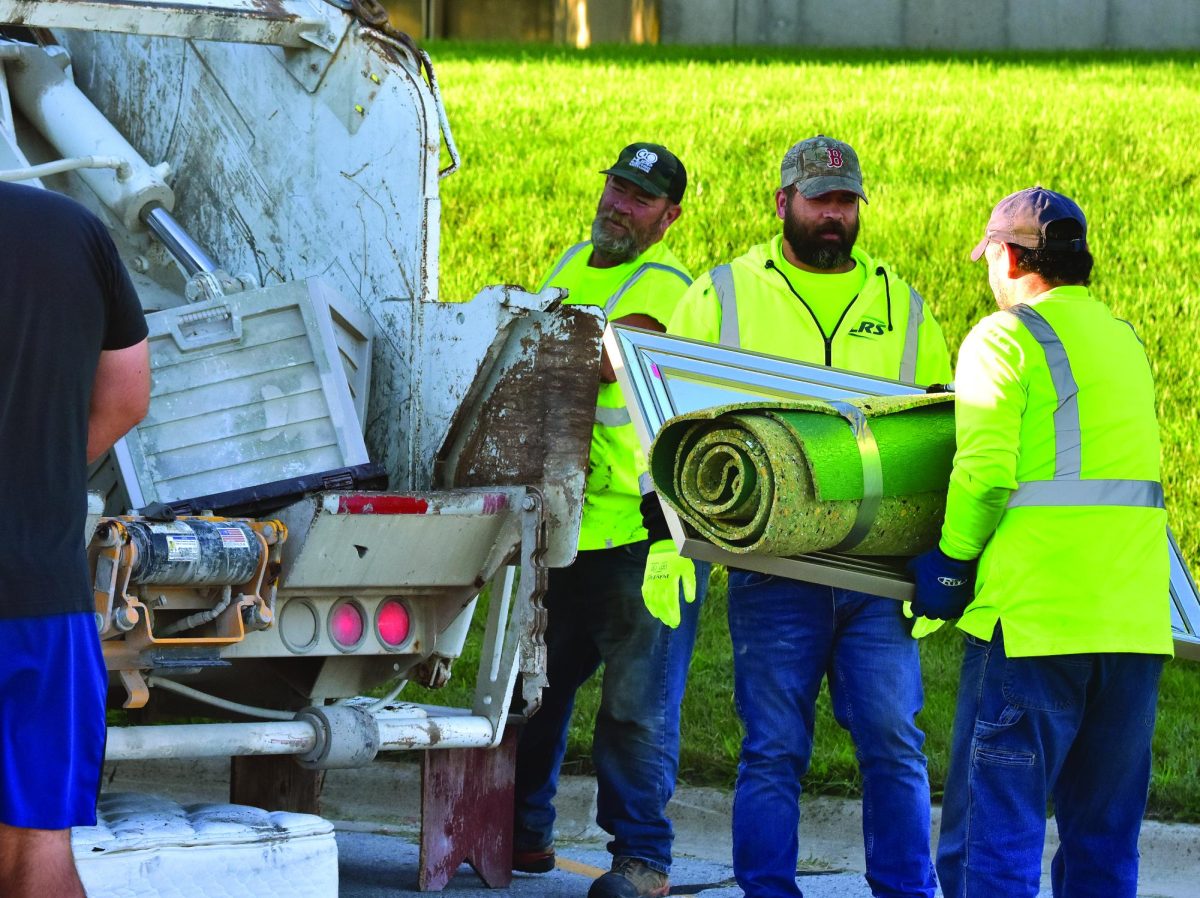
(571, 866)
(565, 863)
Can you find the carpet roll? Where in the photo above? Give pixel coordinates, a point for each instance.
(860, 477)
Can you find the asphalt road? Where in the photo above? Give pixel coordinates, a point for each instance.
(376, 814)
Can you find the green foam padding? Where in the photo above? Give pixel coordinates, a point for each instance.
(787, 478)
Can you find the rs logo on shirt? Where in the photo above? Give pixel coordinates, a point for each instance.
(868, 327)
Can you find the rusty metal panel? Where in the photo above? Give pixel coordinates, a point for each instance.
(467, 813)
(528, 416)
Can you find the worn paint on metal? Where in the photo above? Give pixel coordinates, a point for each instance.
(466, 814)
(252, 21)
(381, 504)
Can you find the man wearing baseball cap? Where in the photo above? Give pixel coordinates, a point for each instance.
(596, 610)
(813, 294)
(1054, 558)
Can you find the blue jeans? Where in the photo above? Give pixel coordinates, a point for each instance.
(597, 615)
(787, 635)
(1075, 728)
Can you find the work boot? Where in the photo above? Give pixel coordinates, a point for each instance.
(533, 860)
(630, 878)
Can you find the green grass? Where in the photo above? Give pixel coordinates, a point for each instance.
(941, 138)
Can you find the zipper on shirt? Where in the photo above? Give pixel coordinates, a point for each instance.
(828, 338)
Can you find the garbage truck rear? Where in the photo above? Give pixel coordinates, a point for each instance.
(335, 463)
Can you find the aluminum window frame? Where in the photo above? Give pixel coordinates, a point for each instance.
(663, 376)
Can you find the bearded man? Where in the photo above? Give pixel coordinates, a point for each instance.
(812, 294)
(596, 608)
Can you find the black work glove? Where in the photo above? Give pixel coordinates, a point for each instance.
(653, 519)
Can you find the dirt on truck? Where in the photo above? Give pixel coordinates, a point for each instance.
(335, 462)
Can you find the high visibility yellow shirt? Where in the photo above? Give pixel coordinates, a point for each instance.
(650, 285)
(1056, 484)
(884, 330)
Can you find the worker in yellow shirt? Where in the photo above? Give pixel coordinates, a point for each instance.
(596, 609)
(813, 294)
(1054, 552)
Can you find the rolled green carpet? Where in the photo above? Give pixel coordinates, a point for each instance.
(790, 478)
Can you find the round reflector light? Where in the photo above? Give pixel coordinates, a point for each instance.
(392, 623)
(346, 625)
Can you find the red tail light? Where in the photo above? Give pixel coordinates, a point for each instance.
(392, 623)
(347, 625)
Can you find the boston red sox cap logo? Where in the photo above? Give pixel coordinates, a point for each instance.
(820, 165)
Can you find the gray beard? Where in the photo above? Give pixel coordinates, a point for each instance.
(815, 251)
(617, 248)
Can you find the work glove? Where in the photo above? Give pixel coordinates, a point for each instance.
(666, 573)
(945, 585)
(653, 518)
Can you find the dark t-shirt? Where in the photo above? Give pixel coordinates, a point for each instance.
(64, 296)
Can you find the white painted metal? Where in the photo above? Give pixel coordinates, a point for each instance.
(49, 99)
(287, 24)
(209, 740)
(33, 172)
(453, 731)
(248, 388)
(317, 156)
(320, 555)
(401, 728)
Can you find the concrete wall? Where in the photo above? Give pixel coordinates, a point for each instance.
(947, 24)
(559, 21)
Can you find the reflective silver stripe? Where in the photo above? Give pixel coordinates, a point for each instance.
(722, 281)
(612, 417)
(1067, 452)
(872, 469)
(916, 317)
(1136, 493)
(567, 257)
(645, 483)
(633, 279)
(1067, 488)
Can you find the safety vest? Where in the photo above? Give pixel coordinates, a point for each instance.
(617, 475)
(902, 343)
(1079, 561)
(887, 313)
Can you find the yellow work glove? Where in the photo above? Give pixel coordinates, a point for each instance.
(666, 572)
(922, 626)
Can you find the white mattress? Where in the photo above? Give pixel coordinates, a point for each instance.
(149, 847)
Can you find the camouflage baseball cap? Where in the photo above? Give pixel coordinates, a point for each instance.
(1022, 219)
(822, 165)
(653, 168)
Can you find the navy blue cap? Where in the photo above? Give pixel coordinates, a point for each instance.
(1023, 217)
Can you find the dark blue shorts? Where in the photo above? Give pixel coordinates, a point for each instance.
(52, 693)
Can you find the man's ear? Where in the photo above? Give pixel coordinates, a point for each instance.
(781, 203)
(1011, 255)
(670, 216)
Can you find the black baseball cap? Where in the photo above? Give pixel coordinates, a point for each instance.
(1022, 218)
(653, 168)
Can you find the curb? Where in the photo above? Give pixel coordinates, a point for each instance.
(385, 797)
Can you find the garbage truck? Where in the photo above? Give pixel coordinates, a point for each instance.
(335, 463)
